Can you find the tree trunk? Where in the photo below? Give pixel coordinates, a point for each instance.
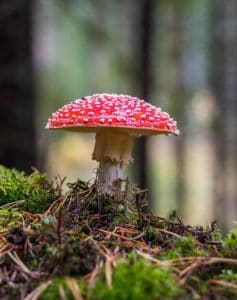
(17, 132)
(179, 96)
(143, 80)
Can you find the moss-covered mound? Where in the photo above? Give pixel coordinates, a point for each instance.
(76, 245)
(35, 192)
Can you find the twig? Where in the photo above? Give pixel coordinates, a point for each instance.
(223, 283)
(5, 250)
(169, 232)
(204, 261)
(34, 295)
(115, 234)
(22, 266)
(12, 204)
(137, 237)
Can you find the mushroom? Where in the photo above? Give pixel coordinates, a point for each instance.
(114, 119)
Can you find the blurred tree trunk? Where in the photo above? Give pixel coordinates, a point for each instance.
(179, 95)
(17, 132)
(224, 68)
(143, 78)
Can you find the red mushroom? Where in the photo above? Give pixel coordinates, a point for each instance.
(114, 119)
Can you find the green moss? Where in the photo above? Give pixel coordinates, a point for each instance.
(55, 289)
(9, 218)
(184, 246)
(199, 287)
(138, 280)
(35, 189)
(228, 275)
(59, 289)
(229, 248)
(216, 234)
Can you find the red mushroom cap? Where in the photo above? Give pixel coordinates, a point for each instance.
(121, 112)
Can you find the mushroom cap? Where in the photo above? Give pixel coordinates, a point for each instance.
(119, 112)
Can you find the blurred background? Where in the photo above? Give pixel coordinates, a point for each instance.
(179, 55)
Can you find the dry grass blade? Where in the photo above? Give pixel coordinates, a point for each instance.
(111, 233)
(162, 220)
(223, 283)
(74, 288)
(139, 236)
(33, 217)
(169, 232)
(93, 276)
(22, 266)
(108, 272)
(5, 250)
(183, 261)
(52, 207)
(62, 293)
(150, 258)
(12, 204)
(34, 295)
(105, 252)
(187, 271)
(205, 261)
(163, 263)
(126, 230)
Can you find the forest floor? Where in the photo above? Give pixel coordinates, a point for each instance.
(79, 245)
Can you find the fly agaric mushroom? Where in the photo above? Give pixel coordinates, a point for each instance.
(114, 119)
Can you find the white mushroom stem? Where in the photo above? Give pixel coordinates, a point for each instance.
(109, 178)
(113, 150)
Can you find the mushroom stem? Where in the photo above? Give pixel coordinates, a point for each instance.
(109, 178)
(112, 145)
(113, 150)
